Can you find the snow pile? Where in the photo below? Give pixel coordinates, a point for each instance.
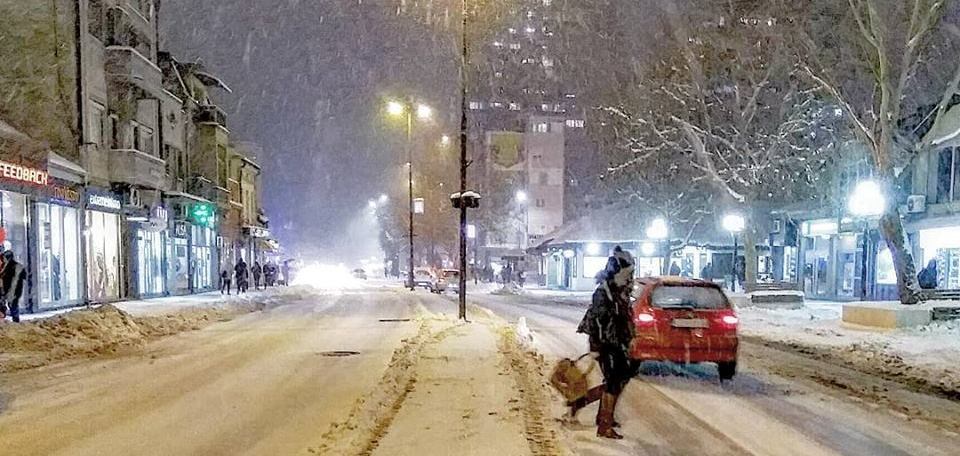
(107, 329)
(508, 289)
(925, 356)
(524, 334)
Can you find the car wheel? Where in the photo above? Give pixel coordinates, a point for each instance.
(727, 370)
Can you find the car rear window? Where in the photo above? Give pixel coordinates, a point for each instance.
(667, 296)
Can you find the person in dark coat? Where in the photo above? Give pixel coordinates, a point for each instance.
(608, 324)
(225, 280)
(241, 273)
(12, 276)
(257, 271)
(929, 276)
(675, 269)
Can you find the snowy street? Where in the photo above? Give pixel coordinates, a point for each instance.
(380, 370)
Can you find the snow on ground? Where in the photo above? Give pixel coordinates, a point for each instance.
(115, 328)
(926, 355)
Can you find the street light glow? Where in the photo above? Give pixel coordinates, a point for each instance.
(395, 108)
(384, 198)
(372, 204)
(867, 199)
(424, 112)
(444, 140)
(734, 223)
(658, 229)
(521, 196)
(648, 249)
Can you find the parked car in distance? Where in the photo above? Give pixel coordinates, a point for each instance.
(359, 274)
(450, 280)
(424, 278)
(685, 321)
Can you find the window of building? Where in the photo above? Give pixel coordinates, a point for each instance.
(95, 124)
(948, 175)
(476, 105)
(498, 74)
(514, 106)
(512, 30)
(547, 62)
(574, 123)
(95, 19)
(496, 104)
(114, 132)
(515, 46)
(541, 127)
(58, 245)
(541, 203)
(222, 166)
(103, 256)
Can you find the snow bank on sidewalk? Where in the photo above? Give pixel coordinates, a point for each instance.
(108, 329)
(925, 355)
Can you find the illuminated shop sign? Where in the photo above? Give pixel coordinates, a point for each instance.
(65, 194)
(104, 201)
(24, 173)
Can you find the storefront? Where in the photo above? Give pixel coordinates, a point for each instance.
(178, 251)
(149, 260)
(203, 241)
(102, 236)
(942, 245)
(58, 271)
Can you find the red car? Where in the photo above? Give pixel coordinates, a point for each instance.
(685, 321)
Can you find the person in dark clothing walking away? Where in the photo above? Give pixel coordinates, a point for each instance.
(257, 271)
(12, 276)
(929, 276)
(225, 280)
(608, 324)
(241, 273)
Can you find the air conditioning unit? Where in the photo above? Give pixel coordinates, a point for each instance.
(916, 204)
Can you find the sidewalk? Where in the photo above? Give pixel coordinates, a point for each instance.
(156, 306)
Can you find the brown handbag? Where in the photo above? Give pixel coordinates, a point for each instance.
(569, 379)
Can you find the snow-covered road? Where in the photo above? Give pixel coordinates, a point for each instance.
(384, 371)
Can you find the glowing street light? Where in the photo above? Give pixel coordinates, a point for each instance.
(395, 108)
(444, 140)
(521, 196)
(658, 229)
(384, 198)
(372, 204)
(648, 249)
(867, 199)
(424, 112)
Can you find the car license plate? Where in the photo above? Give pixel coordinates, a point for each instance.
(689, 323)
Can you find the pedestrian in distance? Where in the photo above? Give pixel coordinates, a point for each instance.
(929, 276)
(12, 276)
(241, 274)
(256, 271)
(608, 324)
(225, 281)
(674, 269)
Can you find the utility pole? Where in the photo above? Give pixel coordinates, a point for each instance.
(409, 111)
(463, 161)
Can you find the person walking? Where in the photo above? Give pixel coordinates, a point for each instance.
(607, 322)
(11, 285)
(241, 274)
(929, 276)
(225, 280)
(257, 271)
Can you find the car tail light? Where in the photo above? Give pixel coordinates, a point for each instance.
(645, 318)
(730, 320)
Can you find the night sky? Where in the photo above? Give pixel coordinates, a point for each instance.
(309, 78)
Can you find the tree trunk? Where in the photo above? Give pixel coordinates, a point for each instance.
(667, 257)
(891, 227)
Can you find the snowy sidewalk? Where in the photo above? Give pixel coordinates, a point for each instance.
(155, 306)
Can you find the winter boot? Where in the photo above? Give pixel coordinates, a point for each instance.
(593, 395)
(607, 406)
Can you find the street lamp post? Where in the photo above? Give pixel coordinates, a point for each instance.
(423, 112)
(734, 223)
(659, 231)
(866, 201)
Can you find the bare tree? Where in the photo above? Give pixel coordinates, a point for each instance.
(873, 75)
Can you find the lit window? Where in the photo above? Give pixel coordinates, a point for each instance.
(547, 2)
(475, 105)
(498, 44)
(575, 123)
(541, 127)
(496, 104)
(529, 14)
(515, 46)
(545, 107)
(514, 106)
(531, 30)
(547, 62)
(498, 74)
(512, 31)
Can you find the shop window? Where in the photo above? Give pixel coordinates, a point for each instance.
(58, 253)
(13, 218)
(948, 176)
(150, 275)
(102, 234)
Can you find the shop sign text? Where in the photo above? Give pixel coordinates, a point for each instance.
(24, 173)
(104, 201)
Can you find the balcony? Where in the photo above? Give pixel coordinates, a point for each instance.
(124, 64)
(134, 167)
(211, 114)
